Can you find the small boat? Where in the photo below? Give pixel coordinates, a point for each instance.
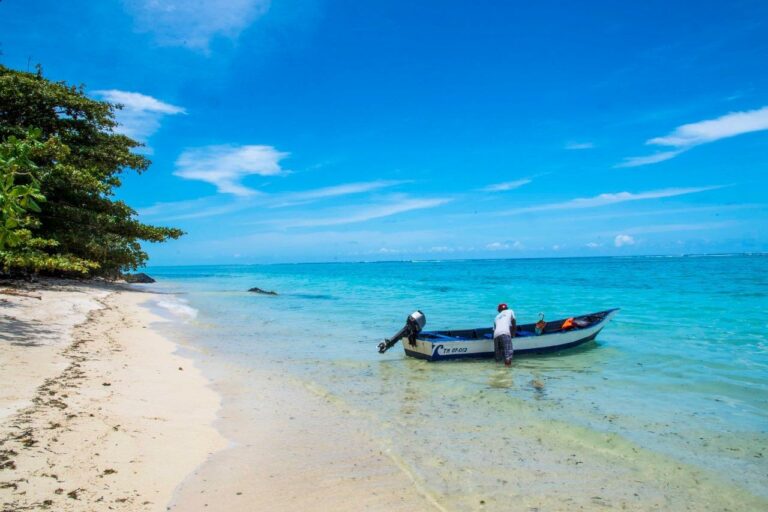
(478, 343)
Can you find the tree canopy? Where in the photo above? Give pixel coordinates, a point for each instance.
(67, 158)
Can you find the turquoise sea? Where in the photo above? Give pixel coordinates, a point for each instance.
(673, 395)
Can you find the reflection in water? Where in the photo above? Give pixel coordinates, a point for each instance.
(501, 377)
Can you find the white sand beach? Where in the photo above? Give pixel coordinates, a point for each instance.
(99, 412)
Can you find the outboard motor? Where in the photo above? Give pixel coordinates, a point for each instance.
(413, 326)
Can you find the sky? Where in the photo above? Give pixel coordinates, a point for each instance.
(293, 131)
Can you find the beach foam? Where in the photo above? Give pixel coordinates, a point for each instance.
(176, 308)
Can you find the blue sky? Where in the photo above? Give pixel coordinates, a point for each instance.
(341, 130)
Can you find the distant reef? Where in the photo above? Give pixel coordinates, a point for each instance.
(256, 289)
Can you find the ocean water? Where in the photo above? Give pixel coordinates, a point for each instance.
(671, 400)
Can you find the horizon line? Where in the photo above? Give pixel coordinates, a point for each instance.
(440, 260)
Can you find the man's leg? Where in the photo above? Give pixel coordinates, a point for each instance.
(508, 350)
(498, 349)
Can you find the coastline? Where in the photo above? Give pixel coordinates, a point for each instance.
(100, 413)
(103, 412)
(109, 408)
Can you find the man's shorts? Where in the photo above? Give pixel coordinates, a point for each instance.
(503, 347)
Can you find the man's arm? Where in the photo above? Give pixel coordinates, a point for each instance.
(513, 327)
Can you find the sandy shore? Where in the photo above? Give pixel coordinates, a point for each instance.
(97, 410)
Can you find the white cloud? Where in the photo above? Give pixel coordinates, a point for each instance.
(445, 249)
(226, 165)
(141, 114)
(387, 250)
(175, 207)
(138, 101)
(215, 205)
(296, 198)
(719, 209)
(507, 185)
(622, 240)
(593, 245)
(608, 199)
(579, 145)
(211, 211)
(702, 132)
(209, 206)
(637, 161)
(499, 246)
(371, 212)
(435, 249)
(194, 23)
(441, 249)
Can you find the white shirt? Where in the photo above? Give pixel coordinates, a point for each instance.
(503, 323)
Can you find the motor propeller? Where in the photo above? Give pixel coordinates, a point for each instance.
(413, 326)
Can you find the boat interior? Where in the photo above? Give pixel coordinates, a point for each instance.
(554, 326)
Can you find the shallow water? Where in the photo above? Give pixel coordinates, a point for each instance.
(673, 392)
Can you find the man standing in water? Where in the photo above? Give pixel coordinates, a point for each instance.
(504, 328)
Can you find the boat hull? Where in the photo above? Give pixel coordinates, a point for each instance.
(434, 347)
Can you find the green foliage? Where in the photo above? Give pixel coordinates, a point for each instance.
(16, 199)
(74, 160)
(20, 200)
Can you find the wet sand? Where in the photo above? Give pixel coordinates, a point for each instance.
(294, 450)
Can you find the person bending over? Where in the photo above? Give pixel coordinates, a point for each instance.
(504, 328)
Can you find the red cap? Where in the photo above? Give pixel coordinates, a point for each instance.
(501, 307)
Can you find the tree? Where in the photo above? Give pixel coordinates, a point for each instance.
(20, 200)
(80, 219)
(17, 199)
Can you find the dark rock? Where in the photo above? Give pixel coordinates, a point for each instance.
(141, 277)
(263, 292)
